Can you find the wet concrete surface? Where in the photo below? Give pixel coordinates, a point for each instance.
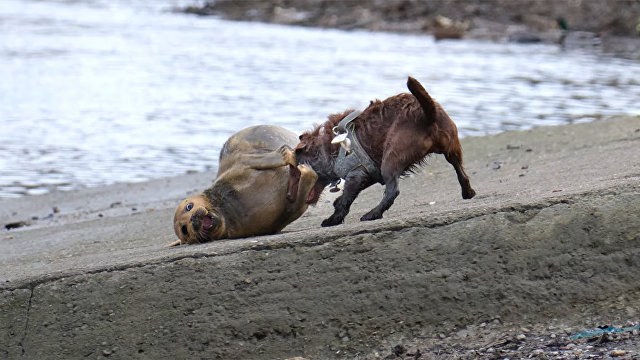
(553, 233)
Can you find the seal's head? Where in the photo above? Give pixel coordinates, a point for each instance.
(195, 221)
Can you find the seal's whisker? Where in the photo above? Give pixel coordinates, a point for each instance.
(201, 237)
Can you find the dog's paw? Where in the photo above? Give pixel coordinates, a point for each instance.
(288, 155)
(468, 194)
(331, 221)
(371, 215)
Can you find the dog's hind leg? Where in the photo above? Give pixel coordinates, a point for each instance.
(356, 181)
(455, 158)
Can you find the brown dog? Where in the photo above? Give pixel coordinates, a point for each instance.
(395, 134)
(259, 189)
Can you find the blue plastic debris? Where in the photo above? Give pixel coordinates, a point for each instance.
(600, 331)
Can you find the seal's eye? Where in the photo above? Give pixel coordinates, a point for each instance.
(184, 230)
(188, 207)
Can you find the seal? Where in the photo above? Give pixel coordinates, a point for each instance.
(259, 189)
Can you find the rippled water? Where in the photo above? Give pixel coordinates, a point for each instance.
(96, 92)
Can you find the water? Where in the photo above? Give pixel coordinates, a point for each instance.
(104, 91)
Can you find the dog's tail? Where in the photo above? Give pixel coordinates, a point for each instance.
(427, 103)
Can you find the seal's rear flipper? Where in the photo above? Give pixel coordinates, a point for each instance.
(175, 243)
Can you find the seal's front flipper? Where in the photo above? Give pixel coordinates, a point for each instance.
(284, 155)
(294, 182)
(288, 155)
(306, 191)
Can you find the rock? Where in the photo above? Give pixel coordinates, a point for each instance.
(445, 28)
(288, 16)
(525, 38)
(399, 350)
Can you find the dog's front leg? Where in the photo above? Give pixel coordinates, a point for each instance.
(356, 181)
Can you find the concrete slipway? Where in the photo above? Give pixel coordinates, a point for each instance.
(553, 232)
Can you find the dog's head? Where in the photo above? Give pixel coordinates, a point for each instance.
(315, 149)
(316, 152)
(195, 221)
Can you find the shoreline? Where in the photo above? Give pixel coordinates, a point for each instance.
(586, 24)
(550, 235)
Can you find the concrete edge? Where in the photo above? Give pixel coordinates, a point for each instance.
(316, 237)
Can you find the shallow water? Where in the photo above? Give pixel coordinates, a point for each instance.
(97, 92)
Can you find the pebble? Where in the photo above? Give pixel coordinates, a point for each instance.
(529, 343)
(619, 352)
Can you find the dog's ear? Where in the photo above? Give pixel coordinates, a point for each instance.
(302, 144)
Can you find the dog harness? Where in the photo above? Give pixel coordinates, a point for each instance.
(351, 153)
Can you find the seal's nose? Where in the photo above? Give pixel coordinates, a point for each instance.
(196, 219)
(195, 222)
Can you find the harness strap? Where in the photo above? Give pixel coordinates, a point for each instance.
(357, 156)
(365, 159)
(342, 126)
